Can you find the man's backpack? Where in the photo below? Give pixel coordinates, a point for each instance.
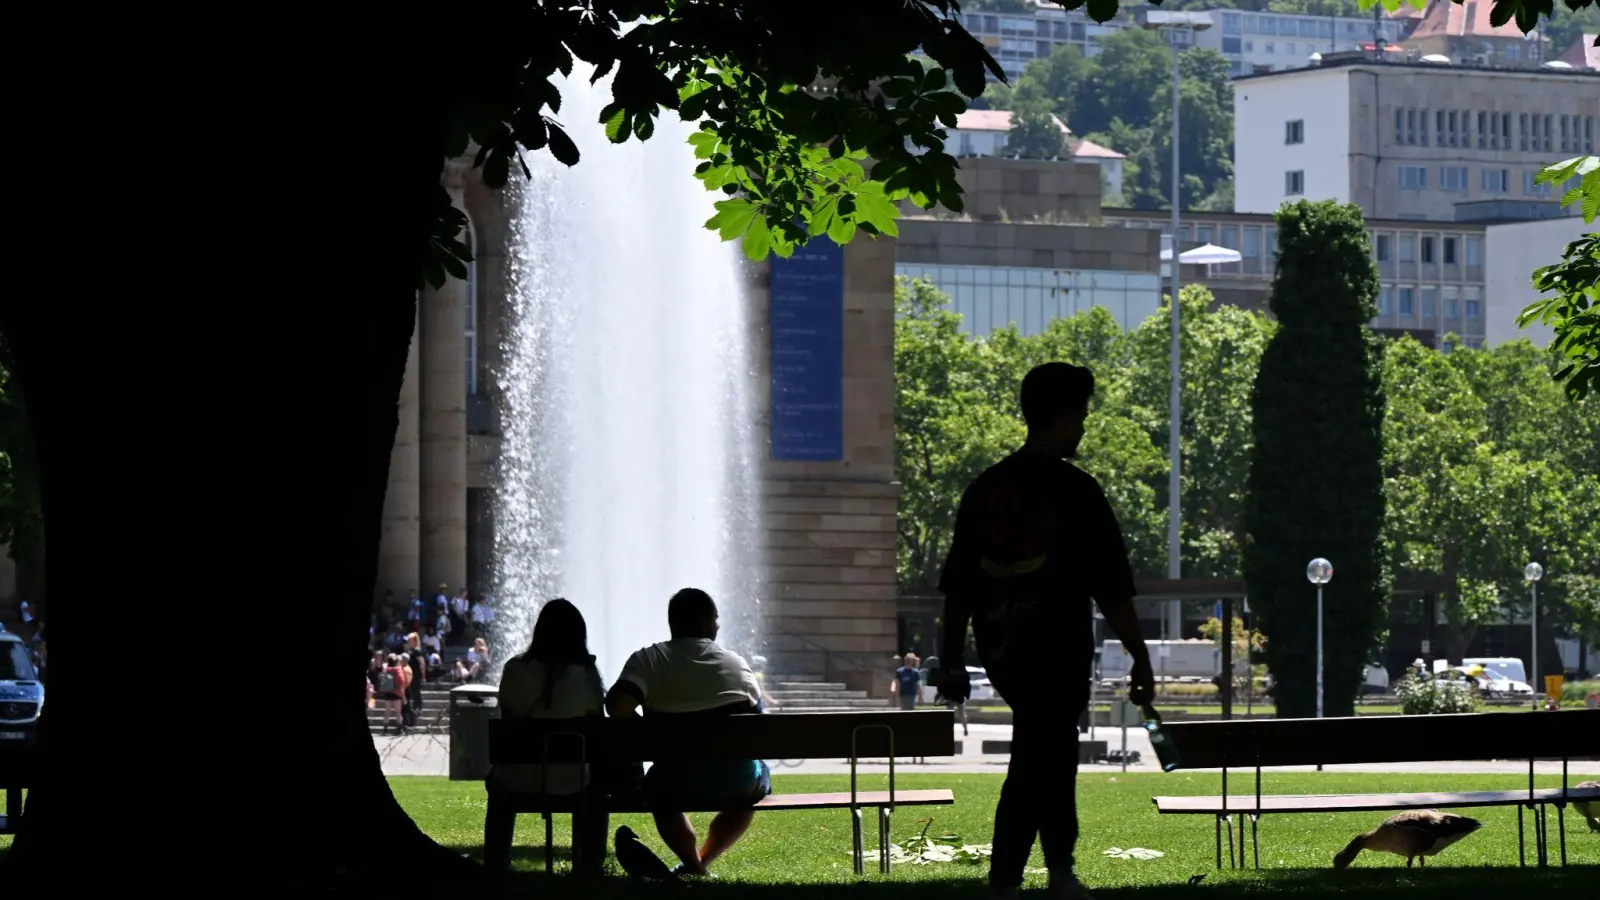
(387, 684)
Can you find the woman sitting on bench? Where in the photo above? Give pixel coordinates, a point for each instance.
(556, 679)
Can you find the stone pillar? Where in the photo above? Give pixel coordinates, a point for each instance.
(399, 551)
(443, 428)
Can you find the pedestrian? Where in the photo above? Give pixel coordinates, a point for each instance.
(1035, 542)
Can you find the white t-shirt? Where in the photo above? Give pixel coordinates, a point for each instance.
(577, 692)
(690, 675)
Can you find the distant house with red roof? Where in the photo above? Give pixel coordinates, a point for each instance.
(984, 132)
(1583, 54)
(1463, 32)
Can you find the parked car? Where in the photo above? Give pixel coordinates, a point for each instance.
(982, 689)
(21, 692)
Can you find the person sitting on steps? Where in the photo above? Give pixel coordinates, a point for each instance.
(691, 675)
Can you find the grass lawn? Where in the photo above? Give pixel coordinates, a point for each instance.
(807, 853)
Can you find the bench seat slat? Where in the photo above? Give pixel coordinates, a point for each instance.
(779, 802)
(1295, 803)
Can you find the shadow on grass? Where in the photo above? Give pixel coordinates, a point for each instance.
(1416, 884)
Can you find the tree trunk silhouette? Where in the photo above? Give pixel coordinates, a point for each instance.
(311, 384)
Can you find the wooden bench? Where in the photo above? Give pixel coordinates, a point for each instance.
(1383, 739)
(852, 736)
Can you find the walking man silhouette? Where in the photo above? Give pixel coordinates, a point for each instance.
(1035, 541)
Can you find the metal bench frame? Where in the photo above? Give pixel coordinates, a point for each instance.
(547, 809)
(1533, 803)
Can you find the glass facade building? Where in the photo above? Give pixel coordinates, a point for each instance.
(991, 297)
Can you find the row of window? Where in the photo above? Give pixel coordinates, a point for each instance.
(1248, 23)
(1486, 130)
(1429, 249)
(1407, 300)
(1454, 178)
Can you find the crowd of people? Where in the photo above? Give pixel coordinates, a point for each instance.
(689, 674)
(408, 638)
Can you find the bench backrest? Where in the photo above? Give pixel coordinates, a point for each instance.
(1386, 739)
(648, 738)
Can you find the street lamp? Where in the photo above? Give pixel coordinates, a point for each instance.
(1319, 572)
(1533, 572)
(1180, 28)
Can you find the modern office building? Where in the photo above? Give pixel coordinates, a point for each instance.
(1433, 275)
(1014, 39)
(1272, 42)
(1464, 33)
(1410, 141)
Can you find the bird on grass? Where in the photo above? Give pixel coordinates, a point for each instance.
(1589, 809)
(1415, 834)
(636, 859)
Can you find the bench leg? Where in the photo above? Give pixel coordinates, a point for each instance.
(1561, 829)
(860, 854)
(1218, 824)
(1522, 853)
(549, 845)
(883, 839)
(1544, 835)
(1255, 840)
(1227, 821)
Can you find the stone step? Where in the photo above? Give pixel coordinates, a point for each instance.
(802, 695)
(816, 703)
(870, 704)
(830, 686)
(809, 679)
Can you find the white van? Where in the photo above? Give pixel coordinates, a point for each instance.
(1505, 674)
(21, 693)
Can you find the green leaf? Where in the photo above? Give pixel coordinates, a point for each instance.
(561, 146)
(758, 239)
(615, 119)
(842, 231)
(733, 217)
(643, 127)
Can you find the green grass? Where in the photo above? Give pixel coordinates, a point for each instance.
(801, 849)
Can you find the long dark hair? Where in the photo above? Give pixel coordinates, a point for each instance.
(560, 639)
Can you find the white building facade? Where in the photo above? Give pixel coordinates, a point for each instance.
(1255, 41)
(1514, 251)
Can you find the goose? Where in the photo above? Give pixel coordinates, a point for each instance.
(1589, 809)
(1415, 834)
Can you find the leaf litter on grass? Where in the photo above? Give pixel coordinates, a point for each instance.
(922, 849)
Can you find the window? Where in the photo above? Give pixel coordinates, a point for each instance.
(1505, 131)
(1588, 135)
(1294, 183)
(1406, 301)
(1563, 134)
(1548, 146)
(1474, 251)
(1399, 125)
(1449, 251)
(1408, 248)
(1452, 178)
(1427, 248)
(1413, 178)
(1483, 136)
(1496, 181)
(1532, 189)
(1229, 237)
(1438, 127)
(1411, 126)
(1452, 309)
(1453, 127)
(1422, 120)
(1385, 296)
(1252, 242)
(1202, 234)
(469, 324)
(1294, 131)
(1472, 309)
(1290, 50)
(1382, 246)
(1522, 131)
(1430, 302)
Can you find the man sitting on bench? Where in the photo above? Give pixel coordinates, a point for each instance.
(688, 676)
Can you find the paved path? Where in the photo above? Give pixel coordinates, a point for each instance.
(430, 755)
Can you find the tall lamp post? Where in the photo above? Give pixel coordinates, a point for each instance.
(1180, 29)
(1533, 572)
(1319, 572)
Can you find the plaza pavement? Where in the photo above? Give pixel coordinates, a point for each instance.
(421, 754)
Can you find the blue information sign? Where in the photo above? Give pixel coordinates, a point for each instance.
(807, 323)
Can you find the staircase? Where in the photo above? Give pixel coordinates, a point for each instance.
(810, 693)
(435, 710)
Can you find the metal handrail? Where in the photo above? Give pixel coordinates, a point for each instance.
(828, 655)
